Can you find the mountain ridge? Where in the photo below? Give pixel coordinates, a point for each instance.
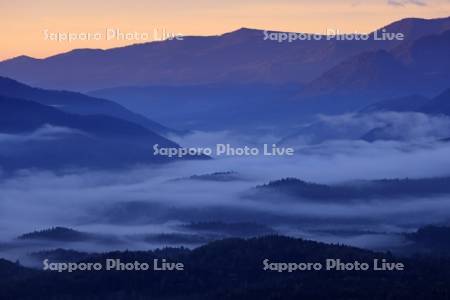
(239, 56)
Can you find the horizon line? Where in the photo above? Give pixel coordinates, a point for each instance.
(24, 56)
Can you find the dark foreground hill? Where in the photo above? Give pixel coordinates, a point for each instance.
(233, 269)
(55, 234)
(361, 190)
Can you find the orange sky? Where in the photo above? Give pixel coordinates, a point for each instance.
(23, 22)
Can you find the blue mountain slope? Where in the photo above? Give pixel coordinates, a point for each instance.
(418, 67)
(33, 135)
(76, 103)
(403, 104)
(438, 105)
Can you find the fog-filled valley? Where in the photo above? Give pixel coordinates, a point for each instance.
(189, 203)
(223, 152)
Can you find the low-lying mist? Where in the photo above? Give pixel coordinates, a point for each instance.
(129, 205)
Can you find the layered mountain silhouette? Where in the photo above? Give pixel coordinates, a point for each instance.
(207, 107)
(419, 66)
(20, 116)
(439, 105)
(242, 56)
(414, 28)
(76, 103)
(56, 234)
(364, 74)
(40, 136)
(427, 56)
(358, 190)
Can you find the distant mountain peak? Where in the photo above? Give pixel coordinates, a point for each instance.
(20, 58)
(415, 28)
(419, 21)
(245, 29)
(80, 51)
(243, 32)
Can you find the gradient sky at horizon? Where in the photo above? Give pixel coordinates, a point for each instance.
(23, 22)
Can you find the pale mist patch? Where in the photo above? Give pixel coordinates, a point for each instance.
(398, 126)
(46, 132)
